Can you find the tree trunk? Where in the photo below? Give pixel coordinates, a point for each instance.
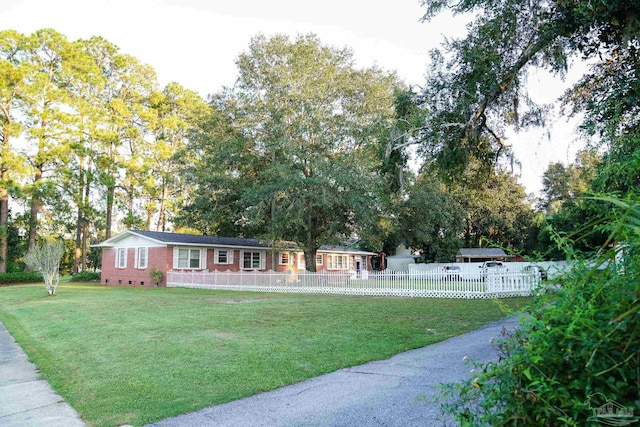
(310, 258)
(85, 222)
(77, 254)
(36, 206)
(4, 208)
(162, 220)
(111, 191)
(4, 198)
(4, 220)
(77, 251)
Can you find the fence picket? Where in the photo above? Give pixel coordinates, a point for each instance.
(432, 284)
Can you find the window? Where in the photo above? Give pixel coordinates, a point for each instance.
(284, 258)
(252, 260)
(338, 262)
(141, 257)
(121, 258)
(319, 259)
(224, 256)
(187, 258)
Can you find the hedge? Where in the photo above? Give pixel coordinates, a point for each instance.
(86, 276)
(20, 277)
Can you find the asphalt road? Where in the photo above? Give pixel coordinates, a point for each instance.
(399, 391)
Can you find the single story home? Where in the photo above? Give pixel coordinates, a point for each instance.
(480, 255)
(129, 257)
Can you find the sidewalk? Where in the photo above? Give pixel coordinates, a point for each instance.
(399, 391)
(26, 401)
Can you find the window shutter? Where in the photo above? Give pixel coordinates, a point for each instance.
(230, 256)
(175, 258)
(262, 260)
(203, 258)
(136, 257)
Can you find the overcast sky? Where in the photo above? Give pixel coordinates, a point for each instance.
(196, 43)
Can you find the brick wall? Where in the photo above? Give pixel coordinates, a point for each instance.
(162, 258)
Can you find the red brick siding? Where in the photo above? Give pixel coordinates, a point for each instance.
(131, 276)
(162, 258)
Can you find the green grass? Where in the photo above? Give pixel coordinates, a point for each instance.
(138, 355)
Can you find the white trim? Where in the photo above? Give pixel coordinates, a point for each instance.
(281, 260)
(137, 262)
(202, 258)
(321, 259)
(338, 262)
(229, 253)
(126, 254)
(261, 261)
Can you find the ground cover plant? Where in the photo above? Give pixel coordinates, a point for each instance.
(137, 355)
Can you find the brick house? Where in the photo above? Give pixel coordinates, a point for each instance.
(128, 257)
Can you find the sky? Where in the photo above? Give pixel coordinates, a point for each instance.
(196, 43)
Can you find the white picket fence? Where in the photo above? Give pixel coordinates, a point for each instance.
(396, 284)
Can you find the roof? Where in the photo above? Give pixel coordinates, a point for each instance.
(192, 239)
(481, 252)
(185, 239)
(345, 249)
(176, 239)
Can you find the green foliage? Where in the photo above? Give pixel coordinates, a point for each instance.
(20, 277)
(477, 86)
(496, 208)
(577, 349)
(432, 221)
(299, 162)
(86, 276)
(155, 274)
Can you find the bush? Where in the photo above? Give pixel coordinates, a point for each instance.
(86, 276)
(20, 277)
(578, 349)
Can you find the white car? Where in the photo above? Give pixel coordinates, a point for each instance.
(452, 272)
(491, 266)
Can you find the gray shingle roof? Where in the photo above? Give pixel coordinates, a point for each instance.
(481, 252)
(191, 239)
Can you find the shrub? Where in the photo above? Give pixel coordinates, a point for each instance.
(45, 258)
(86, 276)
(155, 274)
(20, 277)
(577, 350)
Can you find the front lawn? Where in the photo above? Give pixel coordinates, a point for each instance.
(138, 355)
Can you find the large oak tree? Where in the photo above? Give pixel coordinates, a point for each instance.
(305, 158)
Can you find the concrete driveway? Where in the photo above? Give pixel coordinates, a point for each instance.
(399, 391)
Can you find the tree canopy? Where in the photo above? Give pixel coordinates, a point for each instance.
(477, 85)
(305, 157)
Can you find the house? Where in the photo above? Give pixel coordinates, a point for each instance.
(480, 255)
(129, 257)
(402, 259)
